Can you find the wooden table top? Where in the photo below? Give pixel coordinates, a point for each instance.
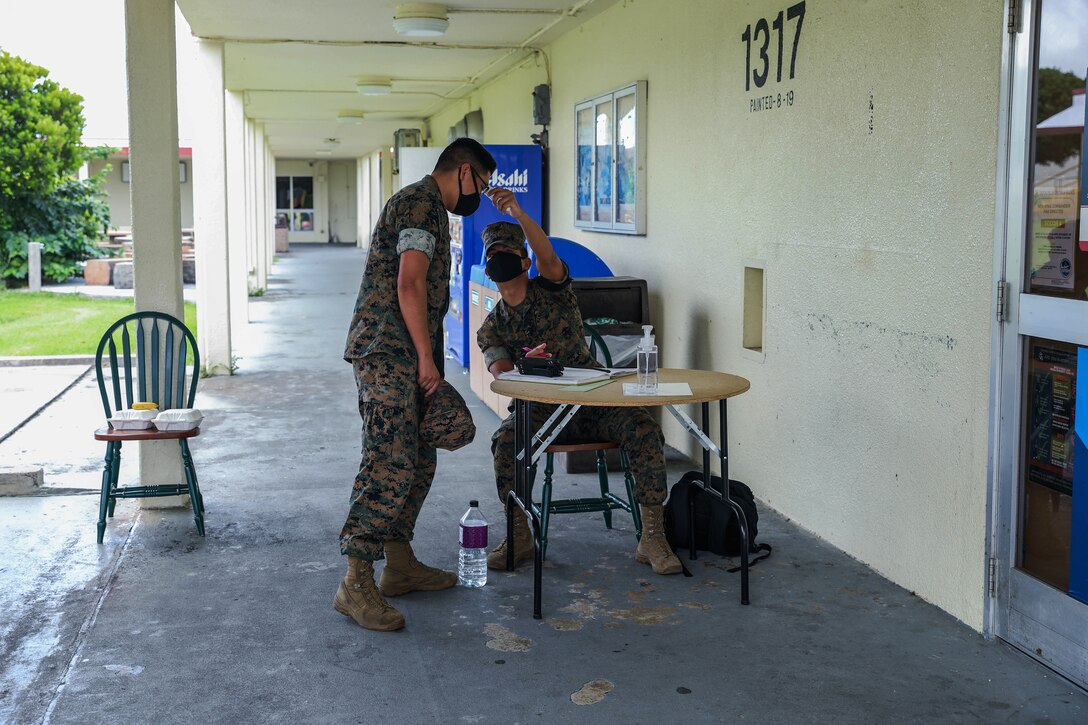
(706, 386)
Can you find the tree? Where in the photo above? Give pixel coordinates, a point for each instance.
(1055, 94)
(41, 128)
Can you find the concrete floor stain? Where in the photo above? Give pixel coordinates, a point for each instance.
(585, 608)
(643, 615)
(565, 625)
(592, 692)
(132, 670)
(504, 640)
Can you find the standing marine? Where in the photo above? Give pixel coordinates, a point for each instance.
(395, 347)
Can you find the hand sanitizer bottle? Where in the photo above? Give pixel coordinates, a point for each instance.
(646, 358)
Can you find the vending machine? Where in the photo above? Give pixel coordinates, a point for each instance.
(520, 169)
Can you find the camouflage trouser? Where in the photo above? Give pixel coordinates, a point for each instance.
(633, 428)
(396, 469)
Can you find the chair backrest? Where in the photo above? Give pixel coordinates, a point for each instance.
(161, 345)
(597, 348)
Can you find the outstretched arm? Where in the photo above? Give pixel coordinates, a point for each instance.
(548, 263)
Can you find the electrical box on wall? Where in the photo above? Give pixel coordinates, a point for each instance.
(405, 138)
(542, 105)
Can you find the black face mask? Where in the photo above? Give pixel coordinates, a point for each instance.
(504, 266)
(467, 204)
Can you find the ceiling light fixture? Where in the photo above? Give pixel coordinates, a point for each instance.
(374, 86)
(323, 152)
(350, 117)
(421, 20)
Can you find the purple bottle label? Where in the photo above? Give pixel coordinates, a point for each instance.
(473, 537)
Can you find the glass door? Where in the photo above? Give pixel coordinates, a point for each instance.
(1041, 552)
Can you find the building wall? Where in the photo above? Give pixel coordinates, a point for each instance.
(117, 192)
(869, 202)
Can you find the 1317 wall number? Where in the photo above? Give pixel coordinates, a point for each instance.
(759, 75)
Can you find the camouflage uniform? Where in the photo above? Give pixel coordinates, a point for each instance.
(396, 469)
(549, 314)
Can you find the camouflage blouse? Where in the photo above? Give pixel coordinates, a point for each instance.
(413, 218)
(549, 314)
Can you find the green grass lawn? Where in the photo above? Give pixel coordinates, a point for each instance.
(47, 323)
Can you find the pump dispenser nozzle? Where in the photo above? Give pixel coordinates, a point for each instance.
(647, 338)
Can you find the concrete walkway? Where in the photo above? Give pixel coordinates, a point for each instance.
(161, 626)
(76, 285)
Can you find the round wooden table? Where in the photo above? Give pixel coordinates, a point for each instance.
(706, 387)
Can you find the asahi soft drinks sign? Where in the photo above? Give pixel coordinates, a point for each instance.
(516, 180)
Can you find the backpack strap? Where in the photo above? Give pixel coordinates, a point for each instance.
(765, 548)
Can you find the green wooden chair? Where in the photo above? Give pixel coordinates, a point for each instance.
(608, 501)
(159, 373)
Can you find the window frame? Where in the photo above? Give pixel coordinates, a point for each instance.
(611, 100)
(291, 211)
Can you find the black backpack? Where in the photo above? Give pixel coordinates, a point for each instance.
(716, 528)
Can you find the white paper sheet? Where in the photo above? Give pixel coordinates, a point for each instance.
(570, 376)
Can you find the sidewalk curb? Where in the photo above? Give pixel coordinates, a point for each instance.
(20, 482)
(16, 361)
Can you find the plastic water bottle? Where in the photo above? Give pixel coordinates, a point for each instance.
(646, 362)
(472, 563)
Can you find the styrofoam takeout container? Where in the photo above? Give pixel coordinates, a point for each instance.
(129, 419)
(178, 419)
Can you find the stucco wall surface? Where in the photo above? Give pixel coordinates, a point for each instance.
(117, 192)
(870, 202)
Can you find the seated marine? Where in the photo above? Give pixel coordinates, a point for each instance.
(540, 316)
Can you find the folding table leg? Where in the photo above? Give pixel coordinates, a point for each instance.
(534, 520)
(723, 453)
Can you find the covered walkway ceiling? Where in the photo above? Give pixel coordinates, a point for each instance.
(298, 63)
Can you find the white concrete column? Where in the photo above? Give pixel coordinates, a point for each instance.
(238, 183)
(269, 164)
(252, 191)
(269, 197)
(211, 214)
(151, 66)
(362, 201)
(153, 154)
(375, 187)
(252, 183)
(264, 254)
(253, 235)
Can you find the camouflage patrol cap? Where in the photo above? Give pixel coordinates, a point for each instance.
(446, 420)
(506, 234)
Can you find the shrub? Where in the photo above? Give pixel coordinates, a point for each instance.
(41, 125)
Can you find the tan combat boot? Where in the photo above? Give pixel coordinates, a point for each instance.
(404, 573)
(653, 549)
(359, 599)
(523, 544)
